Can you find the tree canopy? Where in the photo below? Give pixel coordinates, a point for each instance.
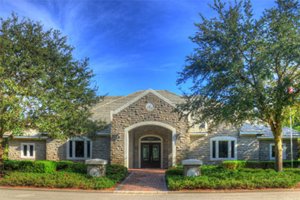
(42, 85)
(243, 66)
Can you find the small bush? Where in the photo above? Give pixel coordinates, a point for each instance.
(116, 172)
(175, 171)
(233, 164)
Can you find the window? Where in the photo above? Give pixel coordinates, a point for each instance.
(27, 150)
(272, 151)
(79, 149)
(223, 148)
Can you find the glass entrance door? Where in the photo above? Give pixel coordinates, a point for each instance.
(150, 155)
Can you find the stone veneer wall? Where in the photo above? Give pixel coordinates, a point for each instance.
(135, 113)
(264, 151)
(56, 149)
(101, 147)
(14, 151)
(247, 146)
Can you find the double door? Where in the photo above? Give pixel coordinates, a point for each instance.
(150, 155)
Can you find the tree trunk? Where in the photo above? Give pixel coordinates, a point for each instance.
(278, 153)
(277, 133)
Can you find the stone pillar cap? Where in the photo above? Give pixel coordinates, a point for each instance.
(192, 162)
(96, 162)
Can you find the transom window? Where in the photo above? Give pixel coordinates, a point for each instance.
(27, 150)
(272, 151)
(79, 149)
(223, 148)
(150, 138)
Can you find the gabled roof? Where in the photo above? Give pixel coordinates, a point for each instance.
(114, 104)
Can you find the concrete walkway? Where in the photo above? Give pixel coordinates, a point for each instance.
(144, 180)
(12, 194)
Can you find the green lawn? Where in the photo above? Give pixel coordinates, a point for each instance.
(216, 177)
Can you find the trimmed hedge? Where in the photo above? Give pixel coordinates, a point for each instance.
(56, 180)
(234, 164)
(70, 166)
(61, 174)
(237, 164)
(217, 177)
(40, 166)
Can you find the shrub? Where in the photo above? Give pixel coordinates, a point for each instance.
(270, 164)
(214, 177)
(116, 172)
(175, 171)
(56, 180)
(237, 164)
(63, 165)
(233, 164)
(11, 165)
(40, 166)
(70, 166)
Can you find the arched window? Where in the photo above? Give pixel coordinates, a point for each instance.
(150, 138)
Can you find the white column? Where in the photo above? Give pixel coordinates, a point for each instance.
(174, 147)
(126, 145)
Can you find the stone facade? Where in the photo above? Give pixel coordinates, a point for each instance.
(56, 149)
(14, 152)
(135, 113)
(200, 145)
(151, 113)
(101, 147)
(264, 149)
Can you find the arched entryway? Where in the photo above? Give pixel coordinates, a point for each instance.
(150, 145)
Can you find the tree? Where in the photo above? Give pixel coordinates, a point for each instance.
(42, 86)
(294, 113)
(244, 68)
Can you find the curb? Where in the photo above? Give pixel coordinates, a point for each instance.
(148, 192)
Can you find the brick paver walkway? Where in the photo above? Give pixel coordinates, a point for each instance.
(144, 180)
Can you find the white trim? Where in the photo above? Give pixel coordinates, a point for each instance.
(284, 147)
(85, 140)
(155, 123)
(223, 138)
(28, 150)
(161, 148)
(139, 97)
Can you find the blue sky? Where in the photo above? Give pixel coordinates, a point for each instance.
(132, 44)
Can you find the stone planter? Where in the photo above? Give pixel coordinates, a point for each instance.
(191, 167)
(96, 167)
